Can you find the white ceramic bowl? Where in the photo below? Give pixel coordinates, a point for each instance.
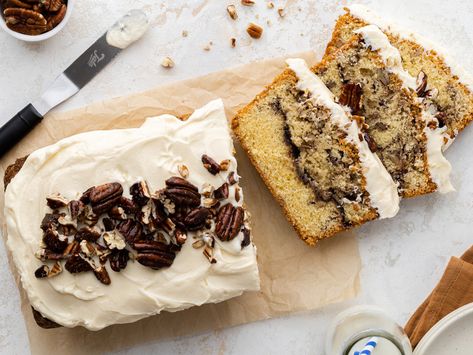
(43, 36)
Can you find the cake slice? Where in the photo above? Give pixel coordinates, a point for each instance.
(314, 156)
(366, 73)
(110, 227)
(441, 80)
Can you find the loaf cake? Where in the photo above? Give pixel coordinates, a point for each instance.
(109, 227)
(314, 156)
(447, 86)
(367, 74)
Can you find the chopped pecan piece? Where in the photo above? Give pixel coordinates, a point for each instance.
(224, 164)
(104, 197)
(87, 233)
(56, 201)
(72, 248)
(131, 230)
(232, 178)
(421, 83)
(351, 97)
(42, 272)
(211, 165)
(119, 259)
(76, 264)
(44, 255)
(246, 238)
(222, 192)
(113, 240)
(196, 218)
(180, 236)
(371, 143)
(76, 208)
(117, 213)
(140, 193)
(128, 205)
(50, 221)
(237, 194)
(53, 242)
(108, 224)
(55, 270)
(102, 275)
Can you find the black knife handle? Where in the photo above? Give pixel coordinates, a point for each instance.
(18, 127)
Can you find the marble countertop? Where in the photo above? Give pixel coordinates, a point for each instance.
(403, 258)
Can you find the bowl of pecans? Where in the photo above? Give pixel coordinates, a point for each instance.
(34, 20)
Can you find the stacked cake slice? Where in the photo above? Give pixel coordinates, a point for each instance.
(314, 156)
(330, 173)
(447, 86)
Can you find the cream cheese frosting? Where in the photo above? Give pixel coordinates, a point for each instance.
(128, 29)
(439, 166)
(367, 15)
(153, 153)
(379, 183)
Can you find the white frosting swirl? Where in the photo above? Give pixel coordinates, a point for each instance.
(130, 28)
(439, 166)
(379, 183)
(153, 153)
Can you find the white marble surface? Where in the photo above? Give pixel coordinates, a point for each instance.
(403, 258)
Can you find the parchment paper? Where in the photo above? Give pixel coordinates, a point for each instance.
(294, 276)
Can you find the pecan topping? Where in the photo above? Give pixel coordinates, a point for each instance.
(42, 271)
(113, 240)
(108, 224)
(87, 233)
(76, 208)
(50, 221)
(85, 198)
(421, 83)
(76, 264)
(232, 178)
(351, 97)
(119, 259)
(237, 194)
(128, 205)
(156, 260)
(182, 192)
(209, 254)
(183, 171)
(56, 201)
(117, 213)
(45, 254)
(180, 236)
(140, 193)
(224, 164)
(55, 270)
(131, 230)
(246, 238)
(222, 192)
(196, 218)
(25, 21)
(102, 275)
(52, 241)
(104, 197)
(211, 165)
(229, 222)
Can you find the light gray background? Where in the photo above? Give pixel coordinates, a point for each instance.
(403, 258)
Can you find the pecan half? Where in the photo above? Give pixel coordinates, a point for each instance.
(51, 5)
(196, 218)
(211, 165)
(25, 21)
(222, 192)
(76, 264)
(154, 254)
(182, 192)
(131, 230)
(119, 259)
(229, 222)
(351, 97)
(104, 197)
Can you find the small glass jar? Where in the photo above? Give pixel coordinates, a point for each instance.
(354, 327)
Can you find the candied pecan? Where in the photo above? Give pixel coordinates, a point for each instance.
(76, 208)
(211, 165)
(140, 193)
(119, 259)
(104, 197)
(102, 275)
(76, 264)
(131, 230)
(52, 241)
(196, 218)
(246, 238)
(56, 201)
(222, 192)
(108, 224)
(351, 97)
(42, 272)
(87, 233)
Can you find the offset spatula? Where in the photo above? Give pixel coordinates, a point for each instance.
(124, 32)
